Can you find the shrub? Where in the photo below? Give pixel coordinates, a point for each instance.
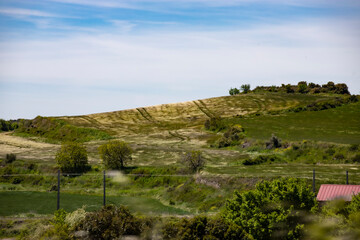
(201, 227)
(115, 154)
(194, 161)
(261, 159)
(302, 87)
(11, 157)
(72, 158)
(275, 209)
(274, 142)
(341, 88)
(245, 88)
(234, 91)
(232, 136)
(214, 124)
(111, 222)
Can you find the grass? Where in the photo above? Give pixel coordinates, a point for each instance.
(339, 125)
(24, 202)
(325, 173)
(160, 135)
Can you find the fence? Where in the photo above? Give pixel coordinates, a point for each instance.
(71, 190)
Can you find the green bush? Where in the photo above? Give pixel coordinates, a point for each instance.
(202, 227)
(261, 159)
(234, 91)
(214, 124)
(232, 136)
(111, 222)
(275, 209)
(72, 158)
(115, 154)
(245, 88)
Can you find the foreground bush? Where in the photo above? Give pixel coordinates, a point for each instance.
(202, 227)
(274, 209)
(111, 222)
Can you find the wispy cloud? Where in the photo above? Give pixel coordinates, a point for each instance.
(22, 12)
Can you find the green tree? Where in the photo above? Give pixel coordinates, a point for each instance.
(72, 158)
(275, 209)
(115, 154)
(302, 87)
(194, 161)
(234, 91)
(245, 88)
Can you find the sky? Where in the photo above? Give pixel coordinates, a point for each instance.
(74, 57)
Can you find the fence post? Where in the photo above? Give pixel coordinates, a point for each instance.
(58, 191)
(104, 199)
(347, 177)
(313, 180)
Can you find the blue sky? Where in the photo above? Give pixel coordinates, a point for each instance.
(72, 57)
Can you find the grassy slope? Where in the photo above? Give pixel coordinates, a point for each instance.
(160, 135)
(339, 125)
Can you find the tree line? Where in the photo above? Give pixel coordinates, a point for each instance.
(302, 87)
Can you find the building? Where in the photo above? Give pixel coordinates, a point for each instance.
(328, 192)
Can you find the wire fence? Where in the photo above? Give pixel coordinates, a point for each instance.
(73, 190)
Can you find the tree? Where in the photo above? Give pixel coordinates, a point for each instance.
(72, 158)
(115, 154)
(234, 91)
(245, 88)
(194, 161)
(302, 87)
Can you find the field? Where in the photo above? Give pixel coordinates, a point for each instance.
(157, 182)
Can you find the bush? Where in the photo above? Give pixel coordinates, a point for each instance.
(274, 142)
(115, 154)
(302, 87)
(214, 124)
(201, 227)
(275, 209)
(11, 157)
(72, 158)
(232, 136)
(111, 222)
(234, 91)
(194, 161)
(261, 159)
(245, 88)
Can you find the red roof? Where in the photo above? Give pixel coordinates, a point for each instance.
(329, 192)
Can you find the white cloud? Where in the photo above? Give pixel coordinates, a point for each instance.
(193, 64)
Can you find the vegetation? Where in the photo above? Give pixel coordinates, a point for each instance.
(248, 140)
(72, 158)
(194, 161)
(303, 88)
(10, 125)
(115, 154)
(56, 130)
(276, 208)
(245, 88)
